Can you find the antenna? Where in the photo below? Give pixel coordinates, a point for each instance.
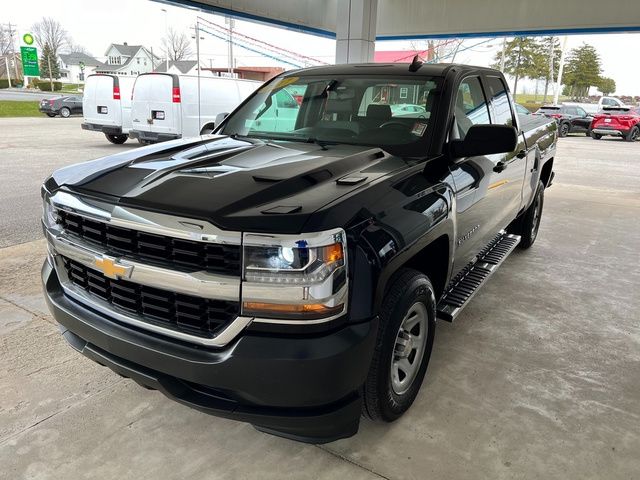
(416, 63)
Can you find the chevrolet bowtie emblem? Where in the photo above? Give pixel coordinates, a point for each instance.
(110, 268)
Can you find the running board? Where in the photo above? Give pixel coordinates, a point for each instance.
(465, 285)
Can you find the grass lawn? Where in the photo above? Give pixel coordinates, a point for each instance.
(10, 108)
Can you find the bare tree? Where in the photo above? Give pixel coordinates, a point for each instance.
(49, 31)
(7, 39)
(76, 48)
(176, 45)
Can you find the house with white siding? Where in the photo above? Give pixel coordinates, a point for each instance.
(75, 67)
(125, 59)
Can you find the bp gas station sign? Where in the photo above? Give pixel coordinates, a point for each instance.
(29, 56)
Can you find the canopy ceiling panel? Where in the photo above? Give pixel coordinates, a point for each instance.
(441, 18)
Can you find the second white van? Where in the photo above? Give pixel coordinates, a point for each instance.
(106, 106)
(165, 106)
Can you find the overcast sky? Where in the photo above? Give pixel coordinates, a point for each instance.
(96, 24)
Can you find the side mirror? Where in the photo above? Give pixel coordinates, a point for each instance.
(220, 118)
(485, 140)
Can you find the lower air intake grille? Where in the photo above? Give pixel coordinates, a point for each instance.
(185, 313)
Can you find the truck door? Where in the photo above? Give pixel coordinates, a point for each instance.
(509, 172)
(489, 188)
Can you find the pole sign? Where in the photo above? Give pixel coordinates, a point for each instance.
(30, 67)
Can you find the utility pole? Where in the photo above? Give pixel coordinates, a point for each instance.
(50, 72)
(166, 31)
(231, 22)
(504, 50)
(560, 70)
(6, 63)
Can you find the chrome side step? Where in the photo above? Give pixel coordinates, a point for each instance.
(465, 285)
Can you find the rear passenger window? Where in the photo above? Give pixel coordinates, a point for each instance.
(471, 106)
(500, 101)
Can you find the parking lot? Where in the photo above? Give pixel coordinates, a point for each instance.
(538, 378)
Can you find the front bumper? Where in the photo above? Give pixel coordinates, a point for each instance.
(107, 129)
(299, 387)
(153, 137)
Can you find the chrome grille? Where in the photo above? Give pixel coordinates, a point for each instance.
(185, 313)
(189, 254)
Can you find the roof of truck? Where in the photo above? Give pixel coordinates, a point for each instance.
(427, 69)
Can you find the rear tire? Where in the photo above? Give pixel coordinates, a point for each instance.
(51, 115)
(528, 225)
(596, 136)
(403, 347)
(633, 134)
(65, 112)
(117, 139)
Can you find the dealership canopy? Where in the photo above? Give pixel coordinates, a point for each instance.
(356, 24)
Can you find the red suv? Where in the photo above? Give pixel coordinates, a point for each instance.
(617, 121)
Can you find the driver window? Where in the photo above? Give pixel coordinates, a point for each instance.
(471, 107)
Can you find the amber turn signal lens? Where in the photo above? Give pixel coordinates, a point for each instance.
(277, 310)
(333, 253)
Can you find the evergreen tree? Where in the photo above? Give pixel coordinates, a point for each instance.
(49, 58)
(549, 62)
(606, 85)
(582, 71)
(520, 59)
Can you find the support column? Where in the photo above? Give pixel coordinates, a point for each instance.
(356, 30)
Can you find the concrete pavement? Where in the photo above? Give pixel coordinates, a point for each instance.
(538, 378)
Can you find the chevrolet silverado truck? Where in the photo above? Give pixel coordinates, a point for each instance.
(289, 273)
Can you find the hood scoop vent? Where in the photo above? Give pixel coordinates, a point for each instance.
(266, 179)
(282, 210)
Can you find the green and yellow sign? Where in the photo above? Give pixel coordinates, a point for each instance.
(28, 39)
(30, 67)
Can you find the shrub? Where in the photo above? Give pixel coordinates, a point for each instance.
(4, 83)
(45, 86)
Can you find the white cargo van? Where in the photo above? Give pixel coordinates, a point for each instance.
(106, 106)
(165, 106)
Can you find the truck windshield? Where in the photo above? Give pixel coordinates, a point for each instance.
(359, 110)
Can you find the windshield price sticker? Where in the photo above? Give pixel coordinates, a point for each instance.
(418, 128)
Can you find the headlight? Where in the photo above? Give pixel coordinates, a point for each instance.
(295, 277)
(49, 213)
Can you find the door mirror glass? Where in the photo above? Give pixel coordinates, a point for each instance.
(484, 140)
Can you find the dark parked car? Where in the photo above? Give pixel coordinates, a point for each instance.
(289, 274)
(570, 118)
(63, 106)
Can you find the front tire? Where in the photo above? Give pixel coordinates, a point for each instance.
(117, 139)
(633, 134)
(529, 224)
(403, 348)
(65, 112)
(51, 115)
(563, 131)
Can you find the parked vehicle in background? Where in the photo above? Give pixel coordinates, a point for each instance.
(106, 106)
(520, 110)
(570, 118)
(617, 121)
(165, 106)
(63, 106)
(593, 108)
(290, 274)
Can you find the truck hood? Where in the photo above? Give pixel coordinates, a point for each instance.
(236, 184)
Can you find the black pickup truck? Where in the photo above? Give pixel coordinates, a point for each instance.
(288, 270)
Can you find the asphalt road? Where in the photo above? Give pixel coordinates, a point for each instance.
(26, 96)
(31, 149)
